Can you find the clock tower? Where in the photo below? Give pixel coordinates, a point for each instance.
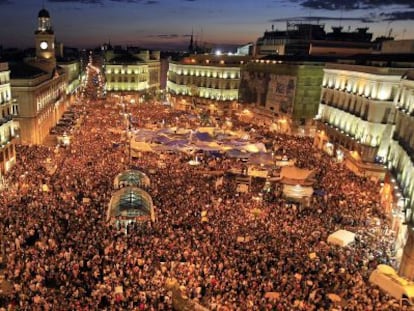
(45, 42)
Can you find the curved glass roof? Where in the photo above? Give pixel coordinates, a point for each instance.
(132, 178)
(130, 202)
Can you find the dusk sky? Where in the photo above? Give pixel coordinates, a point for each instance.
(168, 23)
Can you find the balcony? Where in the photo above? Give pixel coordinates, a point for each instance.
(405, 145)
(6, 119)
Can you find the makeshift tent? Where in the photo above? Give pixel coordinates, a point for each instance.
(161, 139)
(258, 147)
(209, 130)
(257, 172)
(297, 191)
(235, 153)
(177, 142)
(203, 136)
(261, 158)
(141, 146)
(293, 172)
(285, 163)
(293, 175)
(208, 146)
(182, 131)
(341, 238)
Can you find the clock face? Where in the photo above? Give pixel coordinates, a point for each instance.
(43, 45)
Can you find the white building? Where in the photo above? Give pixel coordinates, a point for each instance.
(208, 82)
(7, 126)
(357, 109)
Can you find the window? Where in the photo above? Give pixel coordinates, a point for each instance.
(386, 115)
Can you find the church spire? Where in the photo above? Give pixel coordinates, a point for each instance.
(191, 46)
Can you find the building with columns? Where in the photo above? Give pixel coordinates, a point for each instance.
(366, 115)
(401, 164)
(205, 82)
(357, 111)
(39, 86)
(132, 71)
(7, 126)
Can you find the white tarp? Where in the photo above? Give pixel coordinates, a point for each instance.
(341, 238)
(258, 147)
(297, 191)
(283, 163)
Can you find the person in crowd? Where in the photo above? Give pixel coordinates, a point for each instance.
(62, 254)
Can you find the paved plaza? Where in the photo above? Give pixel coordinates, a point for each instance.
(226, 249)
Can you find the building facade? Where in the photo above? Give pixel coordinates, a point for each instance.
(357, 109)
(398, 46)
(132, 71)
(287, 91)
(205, 82)
(401, 164)
(303, 38)
(72, 69)
(7, 126)
(39, 87)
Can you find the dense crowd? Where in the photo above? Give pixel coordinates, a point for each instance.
(62, 254)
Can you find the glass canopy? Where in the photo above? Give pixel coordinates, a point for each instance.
(131, 202)
(131, 178)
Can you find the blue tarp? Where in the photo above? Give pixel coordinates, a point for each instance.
(179, 142)
(215, 154)
(235, 153)
(161, 139)
(203, 136)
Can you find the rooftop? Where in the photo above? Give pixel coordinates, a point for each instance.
(125, 59)
(24, 71)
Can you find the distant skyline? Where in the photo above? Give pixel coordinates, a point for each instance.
(169, 23)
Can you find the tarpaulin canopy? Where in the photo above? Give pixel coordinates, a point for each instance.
(161, 139)
(297, 191)
(296, 174)
(236, 153)
(261, 158)
(258, 147)
(141, 146)
(203, 136)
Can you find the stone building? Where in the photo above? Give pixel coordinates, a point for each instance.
(7, 126)
(39, 86)
(206, 82)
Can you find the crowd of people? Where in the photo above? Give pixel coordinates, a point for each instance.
(62, 254)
